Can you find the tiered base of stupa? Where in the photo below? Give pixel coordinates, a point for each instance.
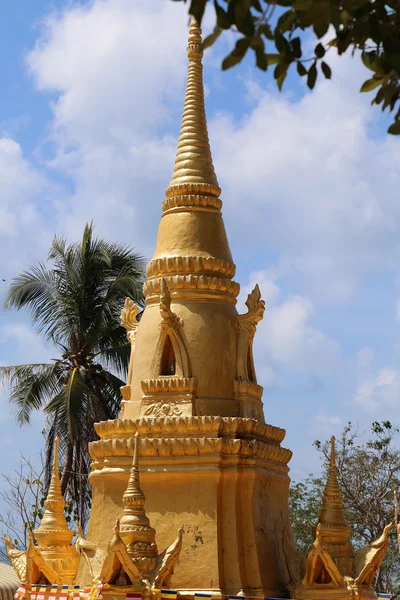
(224, 480)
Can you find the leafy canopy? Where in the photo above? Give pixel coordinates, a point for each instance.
(274, 30)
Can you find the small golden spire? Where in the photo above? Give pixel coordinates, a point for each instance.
(332, 511)
(194, 170)
(53, 529)
(331, 519)
(135, 529)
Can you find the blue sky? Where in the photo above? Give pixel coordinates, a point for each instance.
(90, 109)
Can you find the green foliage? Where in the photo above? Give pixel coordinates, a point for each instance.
(368, 473)
(369, 27)
(75, 304)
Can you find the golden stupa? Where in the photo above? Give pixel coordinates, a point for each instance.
(332, 568)
(215, 475)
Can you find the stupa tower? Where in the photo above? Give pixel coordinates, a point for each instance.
(190, 326)
(335, 532)
(209, 463)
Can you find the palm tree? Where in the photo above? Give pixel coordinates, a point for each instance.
(75, 304)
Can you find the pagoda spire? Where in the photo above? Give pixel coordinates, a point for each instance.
(334, 530)
(194, 169)
(332, 514)
(53, 529)
(135, 529)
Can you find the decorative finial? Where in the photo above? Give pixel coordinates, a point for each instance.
(331, 519)
(135, 529)
(194, 170)
(53, 529)
(333, 455)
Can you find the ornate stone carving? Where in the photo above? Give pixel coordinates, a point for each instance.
(190, 427)
(169, 318)
(163, 409)
(190, 264)
(369, 558)
(192, 201)
(179, 284)
(247, 324)
(189, 446)
(129, 318)
(256, 308)
(166, 385)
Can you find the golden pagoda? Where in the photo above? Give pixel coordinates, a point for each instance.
(333, 569)
(210, 467)
(50, 557)
(209, 463)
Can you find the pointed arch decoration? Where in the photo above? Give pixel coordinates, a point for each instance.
(320, 566)
(172, 391)
(171, 353)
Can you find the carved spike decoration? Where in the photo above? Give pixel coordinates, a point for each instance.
(169, 318)
(166, 562)
(129, 317)
(369, 559)
(255, 313)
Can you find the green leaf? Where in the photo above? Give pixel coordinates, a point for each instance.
(223, 20)
(286, 20)
(302, 4)
(319, 51)
(257, 44)
(237, 54)
(301, 69)
(265, 29)
(281, 43)
(312, 76)
(326, 70)
(210, 39)
(296, 47)
(320, 28)
(371, 84)
(273, 59)
(394, 129)
(197, 8)
(280, 73)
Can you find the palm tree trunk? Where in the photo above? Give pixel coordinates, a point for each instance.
(66, 475)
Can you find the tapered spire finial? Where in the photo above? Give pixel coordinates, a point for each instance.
(53, 529)
(194, 170)
(332, 520)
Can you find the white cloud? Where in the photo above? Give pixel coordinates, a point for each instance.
(311, 181)
(286, 337)
(324, 422)
(377, 389)
(381, 390)
(25, 194)
(119, 91)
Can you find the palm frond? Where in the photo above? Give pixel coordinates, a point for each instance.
(31, 387)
